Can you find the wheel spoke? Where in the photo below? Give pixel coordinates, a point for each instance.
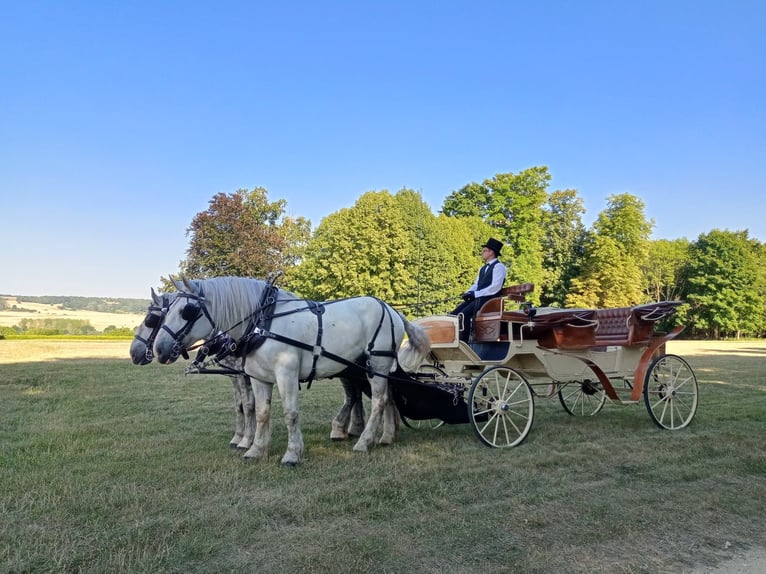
(582, 399)
(501, 407)
(670, 392)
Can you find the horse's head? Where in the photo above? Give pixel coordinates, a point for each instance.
(141, 352)
(187, 320)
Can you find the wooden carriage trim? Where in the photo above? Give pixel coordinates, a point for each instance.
(643, 362)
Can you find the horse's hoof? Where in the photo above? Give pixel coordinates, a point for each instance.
(290, 464)
(233, 445)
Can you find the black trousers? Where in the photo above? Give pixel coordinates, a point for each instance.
(469, 309)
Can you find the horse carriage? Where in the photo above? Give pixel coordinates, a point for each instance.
(517, 353)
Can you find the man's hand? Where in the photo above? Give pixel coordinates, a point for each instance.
(468, 296)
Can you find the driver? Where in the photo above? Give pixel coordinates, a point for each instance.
(488, 284)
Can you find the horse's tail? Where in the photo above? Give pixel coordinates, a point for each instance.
(415, 349)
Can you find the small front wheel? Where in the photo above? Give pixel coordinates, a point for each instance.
(426, 373)
(501, 407)
(670, 392)
(583, 399)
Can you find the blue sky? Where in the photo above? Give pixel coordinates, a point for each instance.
(119, 121)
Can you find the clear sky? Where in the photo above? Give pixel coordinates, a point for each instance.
(119, 121)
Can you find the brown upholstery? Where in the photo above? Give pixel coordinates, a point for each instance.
(517, 292)
(488, 325)
(631, 325)
(573, 329)
(614, 326)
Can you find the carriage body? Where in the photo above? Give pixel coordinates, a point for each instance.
(583, 356)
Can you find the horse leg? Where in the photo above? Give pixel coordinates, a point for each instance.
(356, 428)
(379, 388)
(260, 447)
(352, 409)
(288, 390)
(390, 421)
(248, 408)
(238, 409)
(339, 430)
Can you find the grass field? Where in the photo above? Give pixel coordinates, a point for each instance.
(108, 467)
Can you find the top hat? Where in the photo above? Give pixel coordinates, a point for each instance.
(494, 245)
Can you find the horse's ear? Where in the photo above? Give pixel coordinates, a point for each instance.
(190, 288)
(178, 285)
(155, 297)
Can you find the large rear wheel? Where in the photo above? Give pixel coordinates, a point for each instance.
(501, 407)
(670, 392)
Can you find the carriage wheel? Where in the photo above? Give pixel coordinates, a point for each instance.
(583, 399)
(501, 407)
(670, 392)
(426, 424)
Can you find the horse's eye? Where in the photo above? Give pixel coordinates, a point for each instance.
(152, 320)
(190, 312)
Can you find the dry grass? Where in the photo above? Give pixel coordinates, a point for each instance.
(98, 320)
(34, 350)
(107, 467)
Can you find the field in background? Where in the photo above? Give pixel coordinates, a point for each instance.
(108, 467)
(98, 320)
(22, 351)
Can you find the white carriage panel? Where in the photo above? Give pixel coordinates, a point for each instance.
(564, 367)
(618, 362)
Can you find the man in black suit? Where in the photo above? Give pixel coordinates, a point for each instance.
(488, 284)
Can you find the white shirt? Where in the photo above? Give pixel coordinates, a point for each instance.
(498, 278)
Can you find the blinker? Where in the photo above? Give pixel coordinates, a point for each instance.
(190, 312)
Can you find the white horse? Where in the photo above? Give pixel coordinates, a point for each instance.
(348, 422)
(141, 353)
(294, 340)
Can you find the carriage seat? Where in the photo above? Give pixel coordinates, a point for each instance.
(489, 323)
(614, 327)
(624, 326)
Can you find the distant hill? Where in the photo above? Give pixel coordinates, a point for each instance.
(95, 304)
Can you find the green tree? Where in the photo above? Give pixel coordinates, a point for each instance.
(615, 253)
(361, 250)
(664, 266)
(512, 205)
(392, 247)
(722, 285)
(243, 233)
(563, 244)
(605, 272)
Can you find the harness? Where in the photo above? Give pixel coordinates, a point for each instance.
(318, 350)
(259, 330)
(191, 313)
(155, 317)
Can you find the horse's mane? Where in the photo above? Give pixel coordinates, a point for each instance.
(235, 298)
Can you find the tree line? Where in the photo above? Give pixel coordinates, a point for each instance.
(392, 246)
(77, 303)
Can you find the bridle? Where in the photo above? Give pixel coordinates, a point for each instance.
(193, 310)
(155, 317)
